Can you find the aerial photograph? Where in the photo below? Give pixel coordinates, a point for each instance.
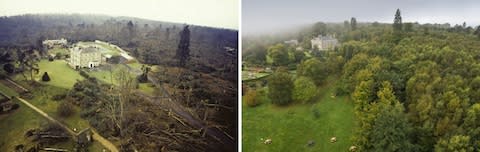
(110, 76)
(360, 76)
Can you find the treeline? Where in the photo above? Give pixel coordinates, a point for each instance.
(255, 48)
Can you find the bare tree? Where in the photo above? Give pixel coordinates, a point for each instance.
(28, 62)
(119, 94)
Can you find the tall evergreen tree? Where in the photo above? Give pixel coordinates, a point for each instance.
(397, 22)
(183, 50)
(353, 23)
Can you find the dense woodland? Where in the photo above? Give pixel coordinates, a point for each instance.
(415, 87)
(205, 81)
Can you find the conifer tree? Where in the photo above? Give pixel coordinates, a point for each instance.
(397, 22)
(183, 50)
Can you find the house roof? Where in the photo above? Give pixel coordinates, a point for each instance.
(86, 49)
(89, 50)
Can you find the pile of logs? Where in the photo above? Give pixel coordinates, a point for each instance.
(49, 134)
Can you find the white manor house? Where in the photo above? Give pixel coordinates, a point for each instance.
(88, 54)
(85, 56)
(324, 42)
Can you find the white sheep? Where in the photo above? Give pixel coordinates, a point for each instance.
(268, 141)
(333, 139)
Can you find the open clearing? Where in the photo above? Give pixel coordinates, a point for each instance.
(293, 126)
(61, 75)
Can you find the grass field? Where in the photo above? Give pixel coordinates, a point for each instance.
(136, 65)
(61, 75)
(292, 127)
(42, 99)
(105, 75)
(248, 75)
(7, 90)
(15, 124)
(106, 48)
(62, 51)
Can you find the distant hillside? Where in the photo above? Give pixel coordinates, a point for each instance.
(152, 42)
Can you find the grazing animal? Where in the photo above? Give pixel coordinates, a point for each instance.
(268, 141)
(333, 139)
(352, 148)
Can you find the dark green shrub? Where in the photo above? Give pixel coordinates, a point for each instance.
(84, 74)
(45, 77)
(251, 98)
(58, 97)
(65, 109)
(280, 88)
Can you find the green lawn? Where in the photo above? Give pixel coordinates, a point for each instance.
(249, 75)
(61, 74)
(146, 88)
(105, 75)
(107, 49)
(62, 51)
(8, 91)
(15, 124)
(42, 99)
(291, 127)
(136, 65)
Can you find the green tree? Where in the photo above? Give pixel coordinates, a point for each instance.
(457, 143)
(471, 124)
(28, 62)
(298, 56)
(250, 98)
(391, 130)
(383, 123)
(409, 27)
(280, 87)
(314, 69)
(335, 64)
(256, 54)
(346, 24)
(277, 55)
(305, 90)
(353, 23)
(397, 22)
(477, 31)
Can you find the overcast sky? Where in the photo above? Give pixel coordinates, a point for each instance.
(262, 16)
(217, 13)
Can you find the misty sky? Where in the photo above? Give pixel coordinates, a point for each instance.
(216, 13)
(266, 16)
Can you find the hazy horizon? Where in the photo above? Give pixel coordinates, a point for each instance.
(271, 16)
(213, 13)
